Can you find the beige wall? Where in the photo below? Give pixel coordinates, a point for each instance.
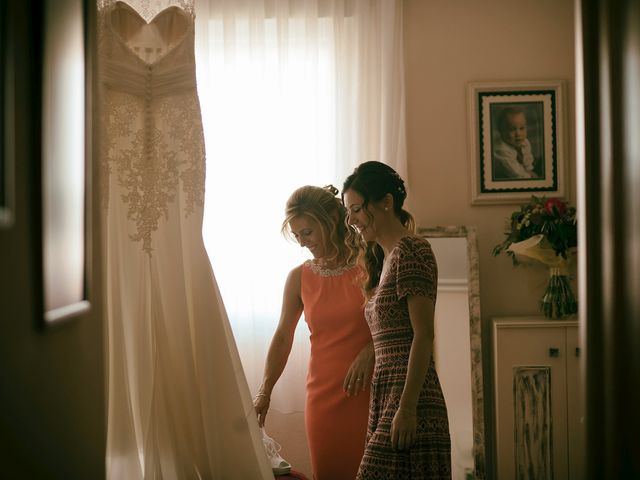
(449, 43)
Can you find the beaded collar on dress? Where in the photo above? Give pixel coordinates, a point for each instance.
(327, 272)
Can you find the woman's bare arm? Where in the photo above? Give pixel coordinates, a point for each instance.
(281, 342)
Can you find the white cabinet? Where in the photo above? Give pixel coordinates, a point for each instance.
(537, 398)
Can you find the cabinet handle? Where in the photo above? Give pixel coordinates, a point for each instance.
(577, 351)
(554, 352)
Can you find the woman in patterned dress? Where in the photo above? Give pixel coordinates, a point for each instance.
(408, 429)
(341, 360)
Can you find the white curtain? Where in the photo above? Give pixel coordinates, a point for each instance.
(293, 92)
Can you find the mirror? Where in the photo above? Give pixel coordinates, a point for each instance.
(6, 122)
(64, 161)
(458, 344)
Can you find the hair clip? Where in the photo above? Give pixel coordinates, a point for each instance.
(331, 189)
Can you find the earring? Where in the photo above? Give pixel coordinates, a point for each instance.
(386, 209)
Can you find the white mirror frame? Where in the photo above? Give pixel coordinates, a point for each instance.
(475, 334)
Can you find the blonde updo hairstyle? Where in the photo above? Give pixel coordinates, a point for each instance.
(322, 205)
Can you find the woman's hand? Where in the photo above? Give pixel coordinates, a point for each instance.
(403, 429)
(261, 403)
(359, 374)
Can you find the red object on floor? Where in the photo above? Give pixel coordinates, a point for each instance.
(292, 474)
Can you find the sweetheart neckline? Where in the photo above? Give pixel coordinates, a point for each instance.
(121, 39)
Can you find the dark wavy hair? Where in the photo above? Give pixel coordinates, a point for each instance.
(372, 181)
(322, 205)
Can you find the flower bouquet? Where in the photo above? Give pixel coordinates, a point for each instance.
(545, 230)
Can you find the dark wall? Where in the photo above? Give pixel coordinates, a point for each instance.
(52, 395)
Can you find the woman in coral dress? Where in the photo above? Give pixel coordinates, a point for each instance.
(408, 431)
(325, 289)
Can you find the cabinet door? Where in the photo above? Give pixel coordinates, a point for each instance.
(531, 408)
(575, 423)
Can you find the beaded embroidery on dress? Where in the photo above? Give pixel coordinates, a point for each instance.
(179, 406)
(153, 144)
(327, 272)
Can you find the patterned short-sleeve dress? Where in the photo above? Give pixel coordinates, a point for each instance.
(411, 270)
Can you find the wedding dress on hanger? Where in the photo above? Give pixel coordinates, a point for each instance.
(178, 403)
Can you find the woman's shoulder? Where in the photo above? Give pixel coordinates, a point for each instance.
(293, 283)
(414, 248)
(296, 273)
(413, 242)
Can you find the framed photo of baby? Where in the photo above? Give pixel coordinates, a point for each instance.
(517, 144)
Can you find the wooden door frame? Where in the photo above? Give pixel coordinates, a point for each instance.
(608, 35)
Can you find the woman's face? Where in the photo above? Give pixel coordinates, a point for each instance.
(359, 216)
(308, 233)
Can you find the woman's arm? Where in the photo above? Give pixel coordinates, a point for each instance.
(421, 314)
(280, 343)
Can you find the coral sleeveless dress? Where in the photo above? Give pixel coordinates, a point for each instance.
(336, 424)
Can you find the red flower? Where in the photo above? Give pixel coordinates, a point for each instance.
(556, 203)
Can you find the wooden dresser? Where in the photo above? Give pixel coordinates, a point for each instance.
(537, 378)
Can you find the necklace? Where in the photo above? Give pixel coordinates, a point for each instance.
(327, 271)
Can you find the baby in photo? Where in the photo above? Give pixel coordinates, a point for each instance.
(512, 155)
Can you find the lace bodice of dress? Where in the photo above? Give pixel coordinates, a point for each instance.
(147, 58)
(147, 9)
(153, 143)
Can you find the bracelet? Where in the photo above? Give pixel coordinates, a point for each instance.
(262, 394)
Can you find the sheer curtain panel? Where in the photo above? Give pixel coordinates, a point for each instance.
(293, 92)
